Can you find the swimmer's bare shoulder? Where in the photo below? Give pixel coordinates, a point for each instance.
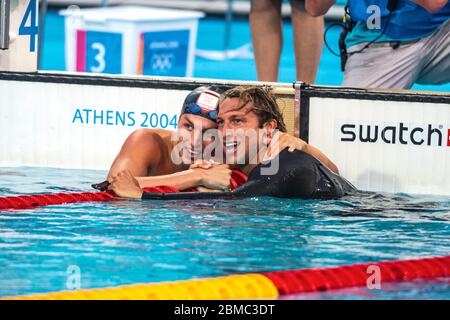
(146, 152)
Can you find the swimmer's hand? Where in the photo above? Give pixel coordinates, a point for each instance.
(281, 141)
(204, 164)
(215, 176)
(124, 185)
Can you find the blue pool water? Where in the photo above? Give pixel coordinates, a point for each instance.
(210, 37)
(136, 241)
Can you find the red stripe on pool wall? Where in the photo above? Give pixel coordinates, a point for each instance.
(448, 138)
(140, 62)
(81, 51)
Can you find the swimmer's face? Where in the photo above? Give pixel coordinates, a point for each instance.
(191, 129)
(239, 128)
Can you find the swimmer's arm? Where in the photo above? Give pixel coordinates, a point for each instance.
(216, 177)
(318, 8)
(319, 155)
(180, 180)
(125, 185)
(286, 140)
(140, 151)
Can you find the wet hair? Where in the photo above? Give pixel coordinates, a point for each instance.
(264, 102)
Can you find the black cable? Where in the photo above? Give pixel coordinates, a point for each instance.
(345, 27)
(325, 37)
(379, 36)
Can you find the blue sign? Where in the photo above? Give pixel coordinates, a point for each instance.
(165, 53)
(103, 52)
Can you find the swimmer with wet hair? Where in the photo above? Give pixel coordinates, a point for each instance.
(298, 174)
(148, 154)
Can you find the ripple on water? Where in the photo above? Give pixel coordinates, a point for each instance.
(151, 241)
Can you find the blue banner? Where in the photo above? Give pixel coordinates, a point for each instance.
(104, 52)
(165, 53)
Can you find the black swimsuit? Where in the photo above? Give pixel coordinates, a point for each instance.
(299, 175)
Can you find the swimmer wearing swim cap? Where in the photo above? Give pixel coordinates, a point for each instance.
(300, 174)
(297, 174)
(147, 153)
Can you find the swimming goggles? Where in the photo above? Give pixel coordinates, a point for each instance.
(195, 109)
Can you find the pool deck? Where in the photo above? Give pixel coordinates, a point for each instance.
(210, 7)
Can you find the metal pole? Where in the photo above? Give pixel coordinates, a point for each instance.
(229, 21)
(4, 24)
(42, 13)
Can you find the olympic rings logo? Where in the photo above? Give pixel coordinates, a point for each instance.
(162, 62)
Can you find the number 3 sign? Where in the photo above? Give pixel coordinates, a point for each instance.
(99, 52)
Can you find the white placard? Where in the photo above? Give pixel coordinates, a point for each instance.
(77, 126)
(24, 37)
(385, 145)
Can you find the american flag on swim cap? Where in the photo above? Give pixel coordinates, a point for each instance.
(207, 98)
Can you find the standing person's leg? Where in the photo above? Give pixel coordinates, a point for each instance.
(266, 25)
(308, 41)
(436, 63)
(381, 66)
(426, 61)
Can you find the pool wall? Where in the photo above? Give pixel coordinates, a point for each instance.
(381, 140)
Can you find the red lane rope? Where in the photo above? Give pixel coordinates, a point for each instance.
(32, 201)
(323, 279)
(40, 200)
